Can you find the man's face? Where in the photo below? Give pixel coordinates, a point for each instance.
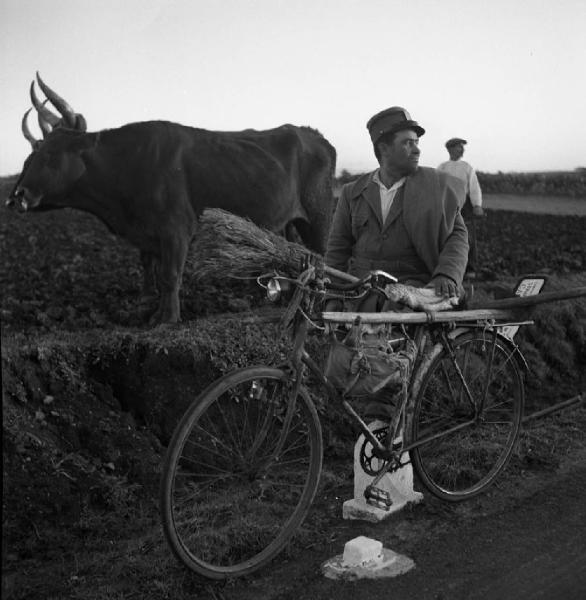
(456, 152)
(401, 156)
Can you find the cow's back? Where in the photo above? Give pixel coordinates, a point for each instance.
(273, 177)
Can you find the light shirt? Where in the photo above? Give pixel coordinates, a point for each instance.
(462, 170)
(387, 195)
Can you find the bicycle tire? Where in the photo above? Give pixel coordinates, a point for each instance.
(459, 465)
(230, 498)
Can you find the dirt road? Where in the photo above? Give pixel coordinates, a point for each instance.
(523, 543)
(544, 205)
(505, 555)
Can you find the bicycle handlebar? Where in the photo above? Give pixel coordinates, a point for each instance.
(277, 284)
(354, 283)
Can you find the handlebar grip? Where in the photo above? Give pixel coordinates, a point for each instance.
(341, 275)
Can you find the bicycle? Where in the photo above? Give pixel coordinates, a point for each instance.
(243, 465)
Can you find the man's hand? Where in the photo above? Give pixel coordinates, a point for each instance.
(417, 298)
(477, 211)
(445, 287)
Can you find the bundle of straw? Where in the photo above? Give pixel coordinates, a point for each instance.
(226, 245)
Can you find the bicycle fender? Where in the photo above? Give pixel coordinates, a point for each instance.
(505, 340)
(515, 351)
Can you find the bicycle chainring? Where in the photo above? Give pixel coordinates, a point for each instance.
(371, 464)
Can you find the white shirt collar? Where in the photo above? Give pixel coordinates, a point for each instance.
(376, 178)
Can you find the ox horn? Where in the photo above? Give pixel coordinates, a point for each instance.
(48, 116)
(45, 127)
(27, 132)
(58, 102)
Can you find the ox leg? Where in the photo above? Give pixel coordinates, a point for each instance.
(318, 201)
(314, 235)
(150, 268)
(173, 255)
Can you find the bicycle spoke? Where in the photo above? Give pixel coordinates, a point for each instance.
(205, 445)
(203, 465)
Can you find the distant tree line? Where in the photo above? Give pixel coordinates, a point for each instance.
(554, 183)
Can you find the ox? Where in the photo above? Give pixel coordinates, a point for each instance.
(149, 182)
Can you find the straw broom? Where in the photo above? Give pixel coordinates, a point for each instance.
(228, 246)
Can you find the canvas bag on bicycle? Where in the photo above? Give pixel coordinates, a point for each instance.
(367, 360)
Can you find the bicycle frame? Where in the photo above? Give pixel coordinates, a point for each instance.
(427, 328)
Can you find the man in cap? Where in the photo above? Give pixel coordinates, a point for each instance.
(471, 203)
(401, 218)
(462, 170)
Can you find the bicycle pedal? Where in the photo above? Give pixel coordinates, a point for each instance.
(378, 497)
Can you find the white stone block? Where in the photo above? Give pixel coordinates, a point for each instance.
(399, 486)
(361, 550)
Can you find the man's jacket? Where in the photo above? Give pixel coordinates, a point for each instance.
(423, 235)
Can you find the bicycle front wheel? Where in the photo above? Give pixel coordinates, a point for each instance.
(470, 410)
(240, 473)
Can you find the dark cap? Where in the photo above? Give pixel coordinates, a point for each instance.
(455, 142)
(392, 120)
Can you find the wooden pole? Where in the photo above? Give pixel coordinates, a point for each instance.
(525, 301)
(554, 408)
(420, 317)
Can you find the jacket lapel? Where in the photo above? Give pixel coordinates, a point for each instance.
(372, 196)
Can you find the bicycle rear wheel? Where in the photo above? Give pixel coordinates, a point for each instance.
(238, 480)
(460, 464)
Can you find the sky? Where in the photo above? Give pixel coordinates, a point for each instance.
(506, 75)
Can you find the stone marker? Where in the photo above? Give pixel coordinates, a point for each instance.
(399, 485)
